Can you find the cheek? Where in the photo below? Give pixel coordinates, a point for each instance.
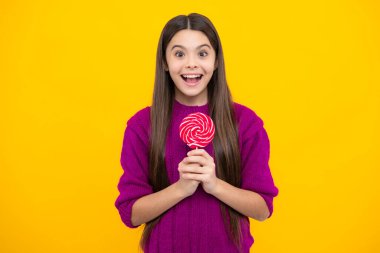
(173, 62)
(174, 67)
(209, 66)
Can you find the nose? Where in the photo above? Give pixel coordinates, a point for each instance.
(191, 63)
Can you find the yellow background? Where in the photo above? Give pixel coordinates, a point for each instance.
(73, 72)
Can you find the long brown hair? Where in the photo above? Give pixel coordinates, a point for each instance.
(225, 142)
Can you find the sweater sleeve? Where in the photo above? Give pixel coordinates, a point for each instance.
(133, 183)
(256, 174)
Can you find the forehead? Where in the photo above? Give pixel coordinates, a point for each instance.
(189, 39)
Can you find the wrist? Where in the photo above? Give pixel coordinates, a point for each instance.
(179, 192)
(218, 187)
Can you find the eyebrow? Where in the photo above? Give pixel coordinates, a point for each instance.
(196, 47)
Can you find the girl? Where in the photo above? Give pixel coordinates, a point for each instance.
(194, 200)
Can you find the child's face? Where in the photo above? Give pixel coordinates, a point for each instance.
(190, 53)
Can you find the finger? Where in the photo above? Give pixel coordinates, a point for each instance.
(200, 152)
(184, 163)
(196, 159)
(198, 177)
(191, 169)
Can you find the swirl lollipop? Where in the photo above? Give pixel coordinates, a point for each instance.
(197, 130)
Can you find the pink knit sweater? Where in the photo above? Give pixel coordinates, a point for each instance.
(195, 224)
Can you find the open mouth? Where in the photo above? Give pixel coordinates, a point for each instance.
(192, 78)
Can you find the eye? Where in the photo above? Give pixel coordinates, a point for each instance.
(178, 53)
(203, 53)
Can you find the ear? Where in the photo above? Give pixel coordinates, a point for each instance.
(216, 64)
(165, 66)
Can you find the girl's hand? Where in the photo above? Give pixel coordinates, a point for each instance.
(186, 186)
(204, 171)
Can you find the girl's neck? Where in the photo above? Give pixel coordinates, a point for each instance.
(197, 101)
(181, 104)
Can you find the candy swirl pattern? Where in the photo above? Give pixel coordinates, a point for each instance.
(197, 130)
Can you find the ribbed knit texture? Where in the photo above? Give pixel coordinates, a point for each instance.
(195, 224)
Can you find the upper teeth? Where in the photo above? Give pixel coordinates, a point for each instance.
(191, 76)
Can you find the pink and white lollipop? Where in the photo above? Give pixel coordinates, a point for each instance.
(197, 130)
